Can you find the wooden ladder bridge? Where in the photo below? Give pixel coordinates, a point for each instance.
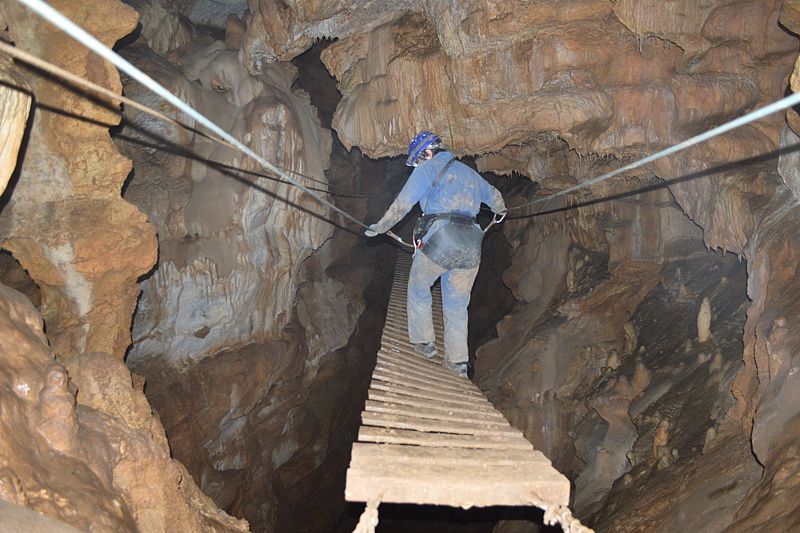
(430, 437)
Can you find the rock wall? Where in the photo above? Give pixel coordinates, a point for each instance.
(246, 331)
(765, 388)
(15, 101)
(65, 221)
(99, 461)
(487, 76)
(79, 440)
(231, 244)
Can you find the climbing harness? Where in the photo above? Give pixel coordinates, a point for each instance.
(455, 244)
(424, 223)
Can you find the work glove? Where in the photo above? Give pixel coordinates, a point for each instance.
(371, 231)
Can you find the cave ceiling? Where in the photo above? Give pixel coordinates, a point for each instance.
(489, 75)
(551, 89)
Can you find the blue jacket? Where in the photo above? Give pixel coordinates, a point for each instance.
(460, 190)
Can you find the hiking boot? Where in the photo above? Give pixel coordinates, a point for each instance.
(426, 349)
(459, 369)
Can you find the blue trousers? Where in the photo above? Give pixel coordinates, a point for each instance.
(456, 290)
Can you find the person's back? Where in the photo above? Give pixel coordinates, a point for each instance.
(460, 189)
(448, 247)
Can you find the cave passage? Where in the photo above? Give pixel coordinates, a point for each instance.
(196, 336)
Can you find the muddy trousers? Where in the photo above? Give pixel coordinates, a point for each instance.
(456, 289)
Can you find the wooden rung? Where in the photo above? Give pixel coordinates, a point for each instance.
(459, 427)
(426, 398)
(402, 454)
(404, 349)
(454, 387)
(394, 339)
(396, 378)
(441, 440)
(457, 487)
(416, 403)
(402, 332)
(435, 365)
(433, 412)
(433, 374)
(414, 361)
(399, 373)
(407, 357)
(416, 392)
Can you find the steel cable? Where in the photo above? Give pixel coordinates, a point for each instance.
(80, 35)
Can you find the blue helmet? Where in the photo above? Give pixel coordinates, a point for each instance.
(421, 142)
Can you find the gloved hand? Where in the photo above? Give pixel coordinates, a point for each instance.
(371, 231)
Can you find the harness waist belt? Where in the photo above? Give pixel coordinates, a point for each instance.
(453, 217)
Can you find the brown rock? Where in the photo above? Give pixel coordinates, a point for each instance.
(14, 105)
(88, 466)
(66, 223)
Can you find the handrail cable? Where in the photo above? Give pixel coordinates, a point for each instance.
(50, 68)
(83, 37)
(783, 103)
(225, 138)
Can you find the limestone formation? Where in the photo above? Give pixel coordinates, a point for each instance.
(612, 361)
(642, 377)
(548, 64)
(711, 434)
(661, 440)
(163, 27)
(57, 419)
(14, 105)
(241, 327)
(790, 18)
(630, 337)
(231, 243)
(704, 321)
(65, 222)
(90, 465)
